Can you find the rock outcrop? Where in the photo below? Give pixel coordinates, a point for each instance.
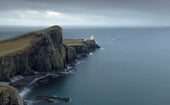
(81, 46)
(44, 53)
(9, 96)
(52, 98)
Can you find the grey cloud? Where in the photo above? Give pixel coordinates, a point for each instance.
(85, 4)
(149, 10)
(102, 7)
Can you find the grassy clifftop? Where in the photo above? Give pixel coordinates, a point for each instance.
(81, 46)
(20, 42)
(40, 51)
(14, 46)
(71, 42)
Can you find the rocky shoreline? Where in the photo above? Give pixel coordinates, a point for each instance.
(45, 52)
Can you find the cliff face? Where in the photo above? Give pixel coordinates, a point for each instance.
(81, 46)
(70, 54)
(42, 51)
(9, 96)
(48, 53)
(45, 53)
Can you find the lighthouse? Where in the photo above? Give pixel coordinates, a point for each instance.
(92, 37)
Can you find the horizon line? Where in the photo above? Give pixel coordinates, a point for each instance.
(90, 26)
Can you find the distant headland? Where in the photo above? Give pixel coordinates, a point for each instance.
(35, 54)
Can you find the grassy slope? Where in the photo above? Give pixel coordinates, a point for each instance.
(2, 87)
(15, 45)
(73, 42)
(20, 42)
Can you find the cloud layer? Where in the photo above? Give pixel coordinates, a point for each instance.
(81, 12)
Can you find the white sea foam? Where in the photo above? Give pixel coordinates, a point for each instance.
(24, 92)
(90, 53)
(5, 83)
(54, 75)
(69, 67)
(35, 80)
(13, 79)
(55, 101)
(30, 102)
(101, 48)
(16, 78)
(97, 42)
(68, 71)
(80, 61)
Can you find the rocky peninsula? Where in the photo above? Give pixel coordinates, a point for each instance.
(35, 54)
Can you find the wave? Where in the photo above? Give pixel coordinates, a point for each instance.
(80, 61)
(24, 92)
(97, 42)
(30, 102)
(69, 70)
(16, 78)
(90, 53)
(69, 67)
(13, 79)
(5, 83)
(27, 89)
(101, 49)
(49, 74)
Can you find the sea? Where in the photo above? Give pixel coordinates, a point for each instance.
(132, 67)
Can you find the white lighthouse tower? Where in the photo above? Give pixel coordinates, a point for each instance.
(92, 37)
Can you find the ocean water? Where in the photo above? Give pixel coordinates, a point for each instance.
(132, 67)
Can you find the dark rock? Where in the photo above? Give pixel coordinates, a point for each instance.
(26, 81)
(81, 46)
(70, 54)
(52, 98)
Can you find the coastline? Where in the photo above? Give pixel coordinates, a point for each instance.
(67, 51)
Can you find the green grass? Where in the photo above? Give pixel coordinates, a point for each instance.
(23, 41)
(2, 86)
(73, 42)
(14, 45)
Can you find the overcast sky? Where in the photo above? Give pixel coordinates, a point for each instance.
(85, 12)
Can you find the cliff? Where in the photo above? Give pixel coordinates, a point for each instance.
(9, 96)
(81, 46)
(34, 54)
(39, 51)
